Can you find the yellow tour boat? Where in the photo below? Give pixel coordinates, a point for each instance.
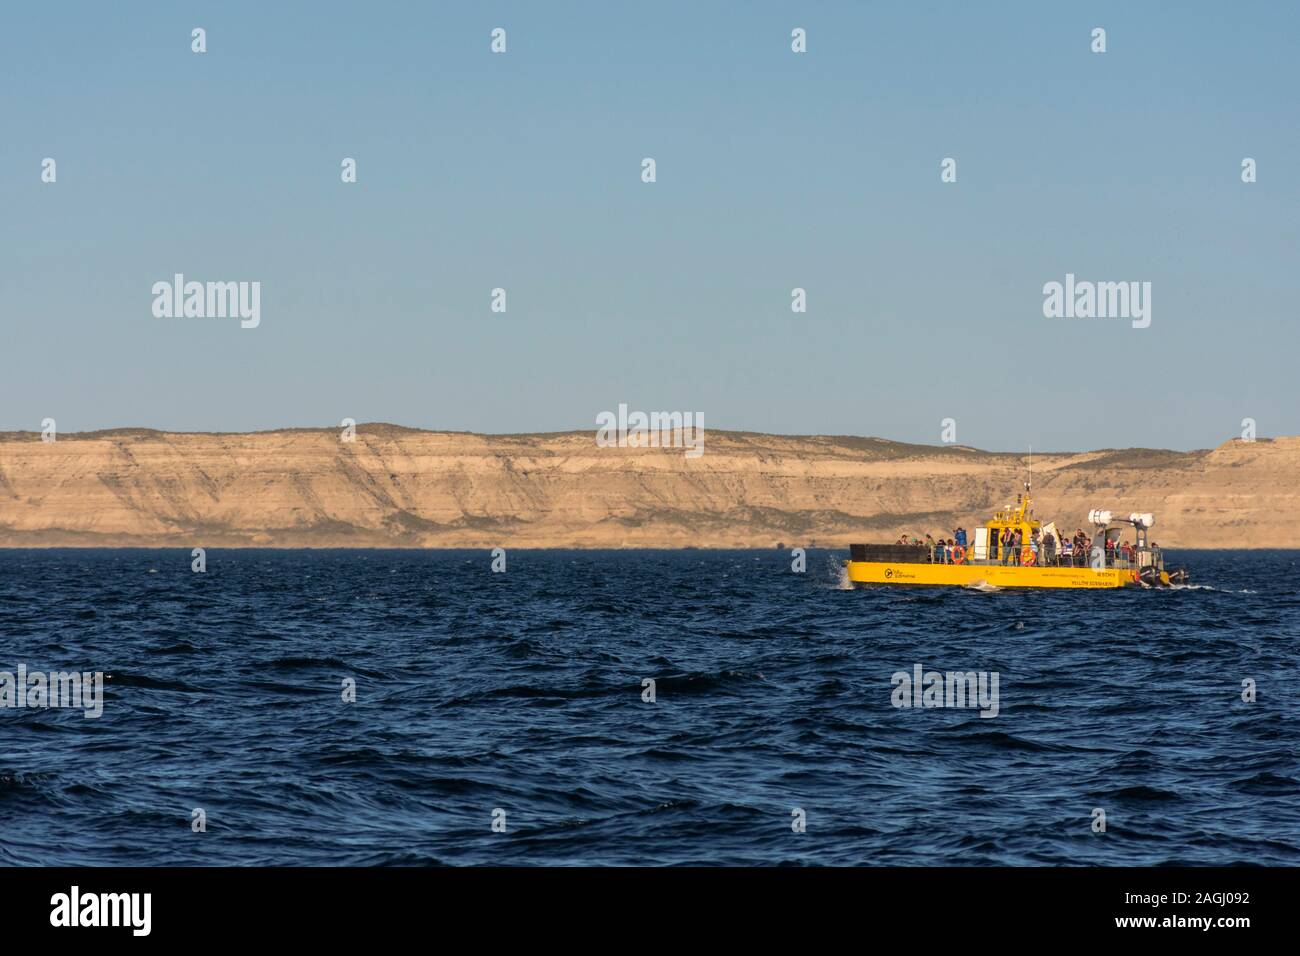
(985, 562)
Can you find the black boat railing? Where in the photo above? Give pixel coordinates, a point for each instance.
(1118, 558)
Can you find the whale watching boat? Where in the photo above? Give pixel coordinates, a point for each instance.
(985, 562)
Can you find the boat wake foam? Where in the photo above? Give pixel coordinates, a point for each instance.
(981, 585)
(1206, 587)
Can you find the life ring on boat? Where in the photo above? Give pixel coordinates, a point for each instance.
(959, 554)
(1027, 556)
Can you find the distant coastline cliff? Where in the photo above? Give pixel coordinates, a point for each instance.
(400, 487)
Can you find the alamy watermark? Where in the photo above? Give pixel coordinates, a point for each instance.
(923, 688)
(1098, 300)
(38, 689)
(75, 908)
(652, 430)
(179, 299)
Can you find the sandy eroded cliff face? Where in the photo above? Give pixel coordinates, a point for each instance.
(398, 487)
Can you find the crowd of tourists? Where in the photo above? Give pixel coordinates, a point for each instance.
(1008, 546)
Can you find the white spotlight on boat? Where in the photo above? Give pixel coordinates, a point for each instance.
(1144, 520)
(1099, 517)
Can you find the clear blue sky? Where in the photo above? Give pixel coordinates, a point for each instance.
(775, 170)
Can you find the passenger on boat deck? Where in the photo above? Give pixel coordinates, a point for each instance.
(1049, 548)
(1004, 541)
(959, 536)
(939, 552)
(951, 544)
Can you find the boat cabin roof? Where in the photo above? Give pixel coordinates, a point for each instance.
(1020, 517)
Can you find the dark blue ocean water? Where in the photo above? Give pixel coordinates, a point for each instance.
(523, 691)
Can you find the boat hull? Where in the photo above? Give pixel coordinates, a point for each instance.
(1000, 576)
